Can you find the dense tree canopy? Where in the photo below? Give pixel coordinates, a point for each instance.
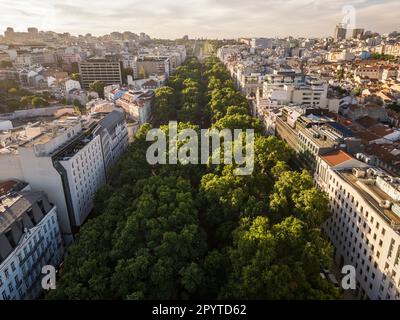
(276, 262)
(178, 231)
(165, 105)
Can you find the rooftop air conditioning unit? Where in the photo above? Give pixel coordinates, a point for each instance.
(358, 172)
(386, 204)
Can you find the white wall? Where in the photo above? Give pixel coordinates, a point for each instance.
(10, 167)
(85, 176)
(41, 175)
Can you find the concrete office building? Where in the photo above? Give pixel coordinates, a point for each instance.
(107, 71)
(147, 66)
(261, 43)
(29, 239)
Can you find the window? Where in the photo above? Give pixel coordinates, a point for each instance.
(13, 266)
(6, 273)
(391, 247)
(396, 260)
(386, 266)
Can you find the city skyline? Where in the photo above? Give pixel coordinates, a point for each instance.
(210, 18)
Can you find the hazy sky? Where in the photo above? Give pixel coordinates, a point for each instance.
(197, 18)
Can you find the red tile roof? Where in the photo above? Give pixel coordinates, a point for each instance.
(336, 157)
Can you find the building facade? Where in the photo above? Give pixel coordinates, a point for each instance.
(30, 238)
(365, 223)
(113, 133)
(67, 159)
(107, 71)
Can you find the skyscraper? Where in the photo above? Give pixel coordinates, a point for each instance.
(340, 32)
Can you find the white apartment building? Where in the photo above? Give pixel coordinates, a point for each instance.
(370, 72)
(365, 223)
(292, 88)
(137, 105)
(29, 239)
(113, 132)
(71, 85)
(60, 158)
(250, 83)
(81, 168)
(337, 56)
(393, 50)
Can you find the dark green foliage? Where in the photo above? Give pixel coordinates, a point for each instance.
(197, 231)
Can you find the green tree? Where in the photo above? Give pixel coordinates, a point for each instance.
(13, 104)
(7, 84)
(277, 262)
(201, 231)
(5, 64)
(357, 91)
(12, 91)
(154, 251)
(340, 74)
(39, 102)
(294, 194)
(75, 76)
(25, 100)
(77, 103)
(165, 104)
(221, 99)
(239, 121)
(142, 73)
(98, 86)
